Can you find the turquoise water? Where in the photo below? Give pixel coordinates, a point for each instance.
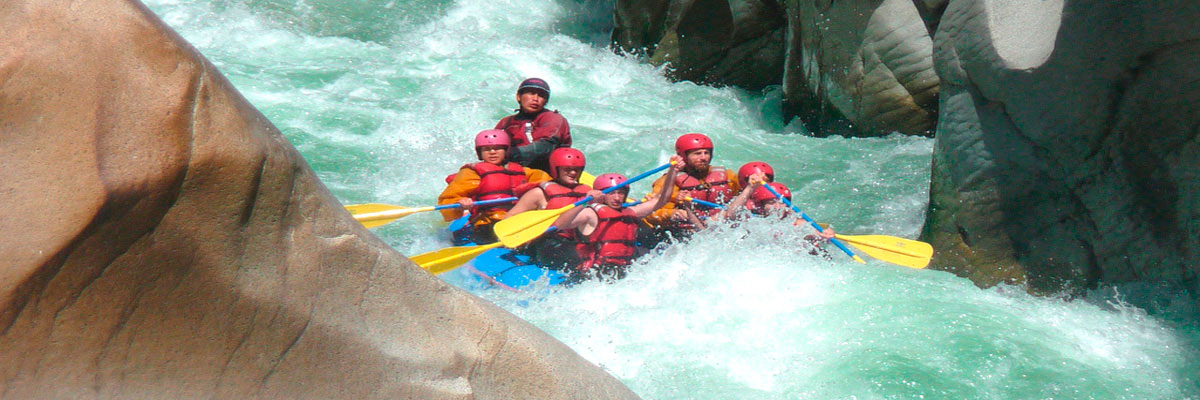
(383, 97)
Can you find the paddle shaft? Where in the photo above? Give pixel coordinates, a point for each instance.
(401, 212)
(623, 184)
(814, 224)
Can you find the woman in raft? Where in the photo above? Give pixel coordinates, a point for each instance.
(493, 177)
(609, 226)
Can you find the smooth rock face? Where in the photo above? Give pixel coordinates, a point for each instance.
(161, 239)
(1067, 150)
(861, 68)
(706, 41)
(871, 60)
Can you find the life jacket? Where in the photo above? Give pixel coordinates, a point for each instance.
(496, 182)
(559, 196)
(521, 129)
(614, 239)
(713, 188)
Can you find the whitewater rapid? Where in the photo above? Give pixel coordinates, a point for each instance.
(382, 98)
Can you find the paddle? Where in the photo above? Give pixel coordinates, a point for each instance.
(439, 261)
(449, 258)
(375, 214)
(896, 250)
(586, 178)
(814, 224)
(521, 228)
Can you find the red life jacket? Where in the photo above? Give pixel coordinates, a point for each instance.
(614, 239)
(524, 130)
(496, 182)
(559, 196)
(713, 188)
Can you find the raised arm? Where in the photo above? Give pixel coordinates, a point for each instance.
(663, 196)
(739, 202)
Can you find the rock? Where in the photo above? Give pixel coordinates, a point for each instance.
(869, 62)
(161, 239)
(857, 68)
(1067, 151)
(706, 41)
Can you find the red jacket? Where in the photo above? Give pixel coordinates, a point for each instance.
(525, 130)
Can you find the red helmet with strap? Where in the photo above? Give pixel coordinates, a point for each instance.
(692, 141)
(752, 168)
(605, 181)
(565, 157)
(762, 194)
(491, 137)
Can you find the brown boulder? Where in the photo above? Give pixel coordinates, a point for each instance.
(161, 239)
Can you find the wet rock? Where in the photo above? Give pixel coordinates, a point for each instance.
(161, 239)
(1067, 151)
(858, 68)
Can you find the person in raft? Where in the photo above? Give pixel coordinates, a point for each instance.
(493, 177)
(698, 180)
(559, 250)
(609, 227)
(754, 171)
(534, 130)
(761, 202)
(744, 177)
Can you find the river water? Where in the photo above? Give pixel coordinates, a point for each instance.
(383, 97)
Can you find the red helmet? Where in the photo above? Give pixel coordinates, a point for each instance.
(605, 181)
(565, 157)
(753, 167)
(692, 141)
(491, 137)
(762, 194)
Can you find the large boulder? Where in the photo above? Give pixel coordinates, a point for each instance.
(861, 67)
(1068, 147)
(161, 239)
(867, 61)
(738, 42)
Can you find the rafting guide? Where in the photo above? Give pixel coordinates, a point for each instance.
(535, 131)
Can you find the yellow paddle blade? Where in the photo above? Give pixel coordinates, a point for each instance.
(371, 208)
(449, 258)
(895, 250)
(586, 178)
(521, 228)
(374, 214)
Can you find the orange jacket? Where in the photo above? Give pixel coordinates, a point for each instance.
(662, 217)
(464, 185)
